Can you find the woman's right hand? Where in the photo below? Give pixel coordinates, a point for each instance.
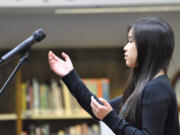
(59, 66)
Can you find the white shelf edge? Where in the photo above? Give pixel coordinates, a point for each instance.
(58, 117)
(8, 117)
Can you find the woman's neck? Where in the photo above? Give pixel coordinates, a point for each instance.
(161, 72)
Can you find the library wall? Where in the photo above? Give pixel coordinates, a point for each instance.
(88, 63)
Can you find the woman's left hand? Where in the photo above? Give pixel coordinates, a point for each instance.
(100, 111)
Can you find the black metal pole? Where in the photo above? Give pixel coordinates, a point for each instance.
(21, 61)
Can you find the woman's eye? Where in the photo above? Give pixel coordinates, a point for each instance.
(130, 41)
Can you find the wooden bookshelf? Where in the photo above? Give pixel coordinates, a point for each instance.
(105, 63)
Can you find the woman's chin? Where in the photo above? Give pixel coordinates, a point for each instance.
(130, 64)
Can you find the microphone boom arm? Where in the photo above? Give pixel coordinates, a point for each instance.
(21, 61)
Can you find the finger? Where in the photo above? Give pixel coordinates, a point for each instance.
(50, 59)
(53, 56)
(50, 54)
(94, 109)
(104, 101)
(52, 63)
(66, 57)
(95, 103)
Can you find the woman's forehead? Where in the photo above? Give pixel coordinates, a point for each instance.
(130, 34)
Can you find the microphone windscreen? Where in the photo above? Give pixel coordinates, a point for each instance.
(39, 35)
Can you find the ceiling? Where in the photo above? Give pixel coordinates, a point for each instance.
(72, 28)
(82, 27)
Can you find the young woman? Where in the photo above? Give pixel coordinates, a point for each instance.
(148, 105)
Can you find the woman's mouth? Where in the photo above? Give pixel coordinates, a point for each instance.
(125, 56)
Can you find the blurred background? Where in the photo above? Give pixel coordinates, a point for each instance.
(93, 33)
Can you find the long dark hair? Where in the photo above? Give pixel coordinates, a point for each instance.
(154, 40)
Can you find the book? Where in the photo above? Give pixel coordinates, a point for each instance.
(43, 99)
(91, 84)
(99, 88)
(67, 99)
(36, 97)
(61, 132)
(23, 98)
(57, 98)
(105, 88)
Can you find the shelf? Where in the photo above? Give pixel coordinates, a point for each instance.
(48, 117)
(8, 117)
(51, 117)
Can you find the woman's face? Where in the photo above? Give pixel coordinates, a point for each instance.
(130, 51)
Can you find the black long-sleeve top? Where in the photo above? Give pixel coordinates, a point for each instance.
(159, 113)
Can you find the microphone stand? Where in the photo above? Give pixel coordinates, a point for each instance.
(23, 58)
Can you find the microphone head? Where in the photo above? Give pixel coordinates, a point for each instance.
(39, 35)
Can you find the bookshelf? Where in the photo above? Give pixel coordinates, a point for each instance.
(104, 62)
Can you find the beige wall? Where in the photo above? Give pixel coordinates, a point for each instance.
(175, 62)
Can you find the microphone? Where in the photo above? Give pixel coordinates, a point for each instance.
(37, 36)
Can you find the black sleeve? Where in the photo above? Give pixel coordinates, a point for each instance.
(154, 108)
(82, 93)
(154, 112)
(115, 103)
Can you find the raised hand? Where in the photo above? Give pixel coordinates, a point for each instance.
(59, 66)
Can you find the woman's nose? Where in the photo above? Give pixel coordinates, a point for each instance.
(125, 48)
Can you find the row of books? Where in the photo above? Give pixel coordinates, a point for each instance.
(55, 98)
(78, 129)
